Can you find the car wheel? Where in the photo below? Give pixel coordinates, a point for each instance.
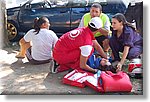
(12, 31)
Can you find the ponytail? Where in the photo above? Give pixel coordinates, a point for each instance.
(36, 26)
(130, 25)
(38, 22)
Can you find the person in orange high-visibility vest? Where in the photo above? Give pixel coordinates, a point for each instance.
(73, 48)
(103, 34)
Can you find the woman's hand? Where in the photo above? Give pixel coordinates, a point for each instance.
(124, 55)
(104, 62)
(119, 67)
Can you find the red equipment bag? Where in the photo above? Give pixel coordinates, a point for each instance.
(92, 81)
(132, 66)
(135, 66)
(76, 78)
(118, 82)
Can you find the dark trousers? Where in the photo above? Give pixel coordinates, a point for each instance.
(116, 46)
(33, 61)
(100, 39)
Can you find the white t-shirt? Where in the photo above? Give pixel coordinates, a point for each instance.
(86, 50)
(42, 43)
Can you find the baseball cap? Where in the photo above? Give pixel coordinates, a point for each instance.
(96, 23)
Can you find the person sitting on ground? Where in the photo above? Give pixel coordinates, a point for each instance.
(124, 39)
(102, 36)
(73, 48)
(38, 43)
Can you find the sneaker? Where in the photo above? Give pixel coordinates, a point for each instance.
(55, 67)
(70, 70)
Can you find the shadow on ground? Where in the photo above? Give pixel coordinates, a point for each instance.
(19, 77)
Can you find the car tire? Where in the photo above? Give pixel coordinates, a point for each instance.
(12, 31)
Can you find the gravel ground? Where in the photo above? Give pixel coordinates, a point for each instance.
(17, 76)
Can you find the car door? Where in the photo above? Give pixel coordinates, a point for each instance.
(59, 17)
(76, 15)
(78, 9)
(26, 17)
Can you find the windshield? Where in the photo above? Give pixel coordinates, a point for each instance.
(84, 2)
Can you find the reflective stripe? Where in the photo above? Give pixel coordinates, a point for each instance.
(87, 18)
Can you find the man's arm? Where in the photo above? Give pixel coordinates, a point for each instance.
(99, 49)
(106, 29)
(83, 65)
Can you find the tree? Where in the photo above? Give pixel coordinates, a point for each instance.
(3, 25)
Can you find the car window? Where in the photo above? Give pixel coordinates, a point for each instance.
(27, 6)
(46, 5)
(79, 3)
(40, 5)
(90, 2)
(58, 3)
(37, 4)
(108, 5)
(82, 3)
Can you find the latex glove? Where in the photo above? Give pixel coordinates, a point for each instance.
(104, 62)
(108, 63)
(119, 67)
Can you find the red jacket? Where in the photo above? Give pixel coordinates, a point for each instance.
(67, 49)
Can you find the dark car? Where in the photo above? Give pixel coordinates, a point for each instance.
(134, 14)
(64, 15)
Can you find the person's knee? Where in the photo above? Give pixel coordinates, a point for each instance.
(106, 41)
(133, 54)
(21, 41)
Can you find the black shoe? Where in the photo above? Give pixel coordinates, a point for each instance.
(55, 67)
(70, 70)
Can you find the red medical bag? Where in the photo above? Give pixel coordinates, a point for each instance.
(115, 82)
(75, 78)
